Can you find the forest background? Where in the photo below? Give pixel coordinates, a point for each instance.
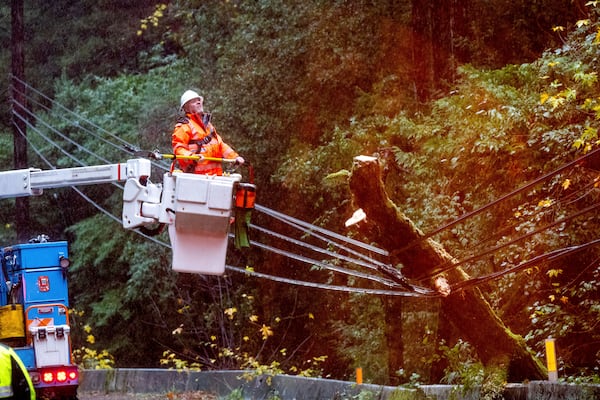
(462, 103)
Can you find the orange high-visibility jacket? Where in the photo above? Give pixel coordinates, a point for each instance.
(192, 138)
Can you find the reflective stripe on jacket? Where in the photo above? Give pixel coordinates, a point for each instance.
(6, 389)
(192, 138)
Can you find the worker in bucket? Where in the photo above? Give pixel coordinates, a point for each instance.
(15, 382)
(195, 135)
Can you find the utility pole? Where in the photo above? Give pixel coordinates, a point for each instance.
(18, 104)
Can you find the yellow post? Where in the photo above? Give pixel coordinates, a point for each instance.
(551, 360)
(359, 378)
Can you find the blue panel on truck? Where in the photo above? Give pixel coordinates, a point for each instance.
(26, 355)
(35, 255)
(45, 290)
(45, 286)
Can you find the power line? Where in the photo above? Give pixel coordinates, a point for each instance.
(312, 247)
(121, 147)
(314, 262)
(78, 116)
(289, 255)
(348, 289)
(502, 198)
(308, 228)
(550, 256)
(480, 255)
(323, 233)
(324, 265)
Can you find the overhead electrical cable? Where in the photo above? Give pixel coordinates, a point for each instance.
(550, 256)
(388, 270)
(289, 255)
(324, 265)
(451, 265)
(79, 117)
(502, 198)
(329, 236)
(122, 147)
(60, 148)
(573, 197)
(311, 227)
(74, 123)
(312, 247)
(349, 289)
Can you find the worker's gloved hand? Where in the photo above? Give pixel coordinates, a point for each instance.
(239, 161)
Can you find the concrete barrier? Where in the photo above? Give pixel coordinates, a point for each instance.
(286, 387)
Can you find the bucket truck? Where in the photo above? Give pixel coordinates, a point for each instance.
(34, 309)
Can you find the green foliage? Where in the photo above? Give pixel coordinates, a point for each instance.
(300, 94)
(496, 129)
(235, 338)
(85, 355)
(360, 341)
(236, 394)
(128, 281)
(465, 371)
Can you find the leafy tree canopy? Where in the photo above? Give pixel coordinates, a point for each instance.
(300, 89)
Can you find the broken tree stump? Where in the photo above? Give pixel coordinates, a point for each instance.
(468, 310)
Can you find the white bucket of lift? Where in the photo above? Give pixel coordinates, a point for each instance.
(199, 233)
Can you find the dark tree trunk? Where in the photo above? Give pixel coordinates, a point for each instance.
(18, 101)
(468, 311)
(392, 307)
(422, 48)
(435, 29)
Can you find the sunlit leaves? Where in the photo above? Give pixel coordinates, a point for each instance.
(545, 203)
(153, 19)
(582, 22)
(586, 79)
(266, 331)
(553, 273)
(230, 312)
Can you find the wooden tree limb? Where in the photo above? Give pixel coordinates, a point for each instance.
(467, 310)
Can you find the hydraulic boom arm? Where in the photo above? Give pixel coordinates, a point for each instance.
(32, 181)
(196, 208)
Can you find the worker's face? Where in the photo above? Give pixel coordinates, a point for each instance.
(194, 106)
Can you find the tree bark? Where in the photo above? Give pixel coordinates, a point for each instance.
(18, 101)
(468, 310)
(434, 26)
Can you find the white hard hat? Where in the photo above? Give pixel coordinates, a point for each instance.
(187, 96)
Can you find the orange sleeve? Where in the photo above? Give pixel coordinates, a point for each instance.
(228, 152)
(180, 140)
(225, 151)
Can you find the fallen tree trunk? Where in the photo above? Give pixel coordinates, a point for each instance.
(468, 310)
